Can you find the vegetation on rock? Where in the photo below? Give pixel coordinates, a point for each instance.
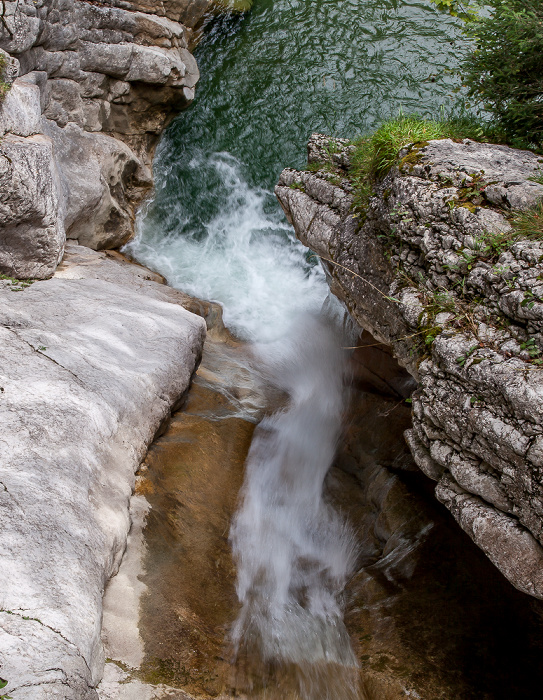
(373, 156)
(4, 87)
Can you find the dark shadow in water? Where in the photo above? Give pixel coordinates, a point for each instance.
(428, 607)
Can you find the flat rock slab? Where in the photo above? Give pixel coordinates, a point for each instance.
(89, 370)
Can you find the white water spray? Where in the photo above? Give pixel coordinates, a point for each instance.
(293, 551)
(243, 255)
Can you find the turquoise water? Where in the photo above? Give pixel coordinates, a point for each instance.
(269, 79)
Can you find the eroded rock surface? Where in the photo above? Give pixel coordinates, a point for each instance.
(89, 371)
(417, 271)
(97, 85)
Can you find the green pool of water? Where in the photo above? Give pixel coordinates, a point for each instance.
(269, 79)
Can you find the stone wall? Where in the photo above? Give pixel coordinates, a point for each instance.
(92, 87)
(415, 270)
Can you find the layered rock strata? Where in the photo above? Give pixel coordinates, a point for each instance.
(90, 370)
(419, 271)
(92, 86)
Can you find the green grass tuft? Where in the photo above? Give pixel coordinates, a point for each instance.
(375, 155)
(528, 225)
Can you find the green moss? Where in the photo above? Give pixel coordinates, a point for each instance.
(470, 206)
(297, 186)
(413, 157)
(4, 87)
(16, 285)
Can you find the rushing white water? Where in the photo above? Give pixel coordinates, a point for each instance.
(242, 254)
(293, 551)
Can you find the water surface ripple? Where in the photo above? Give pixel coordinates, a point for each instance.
(269, 79)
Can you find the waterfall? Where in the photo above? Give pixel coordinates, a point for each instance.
(293, 551)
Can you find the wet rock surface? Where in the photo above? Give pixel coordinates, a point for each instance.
(188, 490)
(90, 370)
(414, 273)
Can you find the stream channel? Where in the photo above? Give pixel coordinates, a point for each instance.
(284, 545)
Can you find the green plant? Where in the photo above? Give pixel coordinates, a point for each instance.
(531, 348)
(462, 359)
(375, 155)
(525, 226)
(4, 87)
(297, 185)
(503, 71)
(537, 178)
(16, 285)
(3, 684)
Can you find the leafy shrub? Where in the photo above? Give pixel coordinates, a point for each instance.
(504, 71)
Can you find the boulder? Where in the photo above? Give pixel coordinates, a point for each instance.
(32, 225)
(100, 178)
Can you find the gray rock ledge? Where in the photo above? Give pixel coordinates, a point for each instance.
(412, 270)
(89, 370)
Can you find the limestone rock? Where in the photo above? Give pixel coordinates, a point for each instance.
(100, 178)
(506, 543)
(188, 12)
(416, 267)
(33, 234)
(83, 263)
(9, 69)
(20, 110)
(89, 370)
(100, 82)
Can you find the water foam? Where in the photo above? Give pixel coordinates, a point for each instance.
(243, 254)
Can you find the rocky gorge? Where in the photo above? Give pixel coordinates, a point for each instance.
(127, 408)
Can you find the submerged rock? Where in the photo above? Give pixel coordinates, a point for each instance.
(415, 270)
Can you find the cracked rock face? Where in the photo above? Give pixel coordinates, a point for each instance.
(97, 85)
(416, 270)
(80, 356)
